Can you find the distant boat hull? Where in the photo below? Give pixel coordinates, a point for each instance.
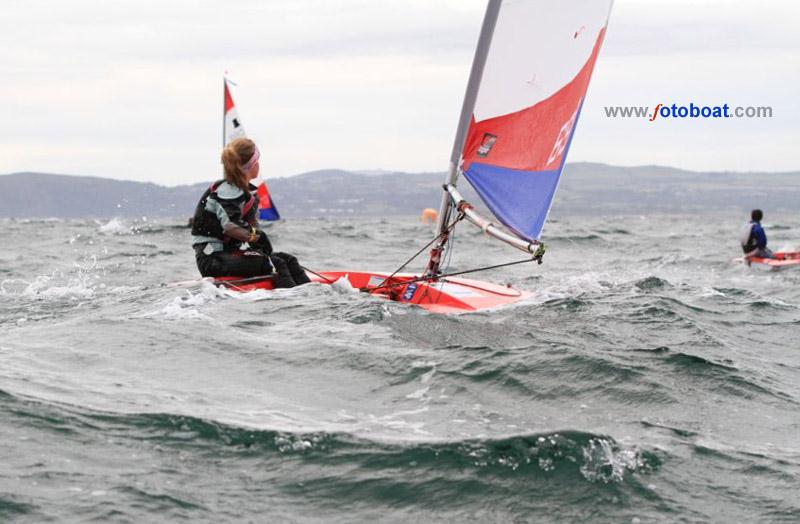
(781, 261)
(446, 295)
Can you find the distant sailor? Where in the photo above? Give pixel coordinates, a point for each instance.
(227, 216)
(754, 239)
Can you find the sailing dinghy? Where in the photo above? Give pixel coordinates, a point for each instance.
(232, 128)
(781, 260)
(527, 86)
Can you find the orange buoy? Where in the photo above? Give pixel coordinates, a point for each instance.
(429, 215)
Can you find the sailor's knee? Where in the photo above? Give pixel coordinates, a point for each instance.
(278, 262)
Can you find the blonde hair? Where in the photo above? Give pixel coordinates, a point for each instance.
(236, 154)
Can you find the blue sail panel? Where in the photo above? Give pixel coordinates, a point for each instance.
(520, 199)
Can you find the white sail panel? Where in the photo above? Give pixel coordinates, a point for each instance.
(537, 47)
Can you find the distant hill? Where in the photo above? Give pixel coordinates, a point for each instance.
(586, 188)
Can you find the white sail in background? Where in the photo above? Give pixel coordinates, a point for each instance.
(232, 126)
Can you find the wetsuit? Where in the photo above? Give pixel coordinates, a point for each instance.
(224, 220)
(754, 240)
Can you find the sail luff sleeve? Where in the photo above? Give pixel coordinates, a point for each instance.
(467, 107)
(474, 82)
(224, 108)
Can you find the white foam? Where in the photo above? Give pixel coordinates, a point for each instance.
(344, 285)
(590, 282)
(41, 288)
(178, 310)
(603, 462)
(115, 226)
(187, 306)
(419, 394)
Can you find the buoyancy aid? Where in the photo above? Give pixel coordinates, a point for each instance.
(753, 237)
(240, 210)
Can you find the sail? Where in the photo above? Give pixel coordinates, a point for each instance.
(534, 81)
(232, 125)
(232, 128)
(266, 207)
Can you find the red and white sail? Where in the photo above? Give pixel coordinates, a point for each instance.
(534, 82)
(232, 128)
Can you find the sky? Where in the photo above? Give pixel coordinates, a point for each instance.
(133, 89)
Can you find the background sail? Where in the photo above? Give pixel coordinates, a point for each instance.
(266, 208)
(533, 86)
(233, 125)
(233, 128)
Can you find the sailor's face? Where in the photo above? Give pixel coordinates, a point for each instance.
(253, 171)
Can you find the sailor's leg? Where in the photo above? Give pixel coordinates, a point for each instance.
(284, 276)
(206, 264)
(298, 273)
(233, 264)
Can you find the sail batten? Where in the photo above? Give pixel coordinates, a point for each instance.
(535, 78)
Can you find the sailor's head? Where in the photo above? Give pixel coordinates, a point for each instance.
(756, 215)
(240, 158)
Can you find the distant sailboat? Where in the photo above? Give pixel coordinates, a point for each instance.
(781, 260)
(527, 86)
(232, 128)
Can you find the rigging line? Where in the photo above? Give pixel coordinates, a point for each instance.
(448, 255)
(426, 246)
(326, 279)
(451, 242)
(440, 277)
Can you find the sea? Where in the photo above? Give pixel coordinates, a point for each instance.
(647, 378)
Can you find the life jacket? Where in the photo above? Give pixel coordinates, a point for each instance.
(240, 211)
(747, 239)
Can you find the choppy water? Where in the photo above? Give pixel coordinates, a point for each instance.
(647, 379)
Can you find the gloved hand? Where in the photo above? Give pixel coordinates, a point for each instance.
(262, 244)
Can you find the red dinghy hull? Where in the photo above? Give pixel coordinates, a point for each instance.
(445, 295)
(781, 261)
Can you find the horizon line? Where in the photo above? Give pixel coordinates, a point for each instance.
(378, 172)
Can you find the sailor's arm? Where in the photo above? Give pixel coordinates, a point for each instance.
(229, 228)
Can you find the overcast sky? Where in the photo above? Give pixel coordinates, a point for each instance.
(132, 89)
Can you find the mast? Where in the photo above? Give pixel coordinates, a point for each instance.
(475, 75)
(224, 88)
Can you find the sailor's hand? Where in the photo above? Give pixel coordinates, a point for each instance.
(253, 235)
(261, 243)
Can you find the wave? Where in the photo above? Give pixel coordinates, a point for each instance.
(10, 508)
(614, 231)
(651, 282)
(56, 289)
(594, 458)
(722, 376)
(575, 238)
